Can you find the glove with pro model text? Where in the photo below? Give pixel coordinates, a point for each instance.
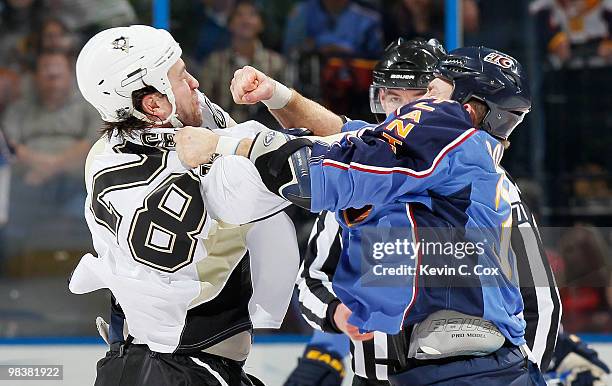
(317, 368)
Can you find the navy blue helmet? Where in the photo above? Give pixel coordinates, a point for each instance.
(492, 77)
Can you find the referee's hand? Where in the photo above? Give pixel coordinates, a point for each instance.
(341, 316)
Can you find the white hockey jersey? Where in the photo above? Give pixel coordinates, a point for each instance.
(167, 251)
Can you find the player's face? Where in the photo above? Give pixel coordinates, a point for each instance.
(391, 99)
(439, 88)
(184, 87)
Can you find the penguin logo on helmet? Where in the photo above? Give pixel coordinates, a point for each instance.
(122, 44)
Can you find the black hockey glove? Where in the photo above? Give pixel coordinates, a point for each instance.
(576, 364)
(317, 368)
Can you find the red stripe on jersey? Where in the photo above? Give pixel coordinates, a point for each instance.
(406, 171)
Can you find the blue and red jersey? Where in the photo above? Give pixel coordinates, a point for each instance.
(423, 174)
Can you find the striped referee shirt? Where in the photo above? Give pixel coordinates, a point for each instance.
(542, 305)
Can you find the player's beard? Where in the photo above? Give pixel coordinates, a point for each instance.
(192, 115)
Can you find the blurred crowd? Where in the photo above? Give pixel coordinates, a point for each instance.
(326, 49)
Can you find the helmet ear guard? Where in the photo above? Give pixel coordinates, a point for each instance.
(500, 123)
(493, 78)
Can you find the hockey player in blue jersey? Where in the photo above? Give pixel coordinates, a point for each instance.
(297, 111)
(425, 165)
(401, 76)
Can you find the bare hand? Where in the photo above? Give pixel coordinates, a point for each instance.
(195, 145)
(341, 316)
(250, 86)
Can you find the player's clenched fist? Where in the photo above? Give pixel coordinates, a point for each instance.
(250, 86)
(195, 145)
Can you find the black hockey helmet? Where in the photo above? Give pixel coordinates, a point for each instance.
(492, 77)
(405, 64)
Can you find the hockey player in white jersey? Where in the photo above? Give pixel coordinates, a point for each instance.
(171, 241)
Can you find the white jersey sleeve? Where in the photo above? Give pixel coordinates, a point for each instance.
(275, 260)
(233, 187)
(236, 194)
(246, 129)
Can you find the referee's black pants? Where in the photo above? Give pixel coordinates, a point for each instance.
(359, 381)
(137, 365)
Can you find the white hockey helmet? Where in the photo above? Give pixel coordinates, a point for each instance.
(118, 61)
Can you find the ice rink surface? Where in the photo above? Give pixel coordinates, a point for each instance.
(271, 362)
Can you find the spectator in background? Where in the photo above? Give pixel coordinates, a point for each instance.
(9, 88)
(334, 27)
(245, 24)
(425, 18)
(9, 91)
(587, 273)
(575, 32)
(51, 132)
(51, 34)
(213, 33)
(591, 186)
(275, 13)
(90, 16)
(18, 19)
(54, 35)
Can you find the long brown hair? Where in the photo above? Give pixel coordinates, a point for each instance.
(128, 126)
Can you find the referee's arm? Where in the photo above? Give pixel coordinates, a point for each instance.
(317, 299)
(542, 304)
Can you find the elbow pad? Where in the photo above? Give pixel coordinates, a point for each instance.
(283, 164)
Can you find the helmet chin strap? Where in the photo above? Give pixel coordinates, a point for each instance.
(172, 118)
